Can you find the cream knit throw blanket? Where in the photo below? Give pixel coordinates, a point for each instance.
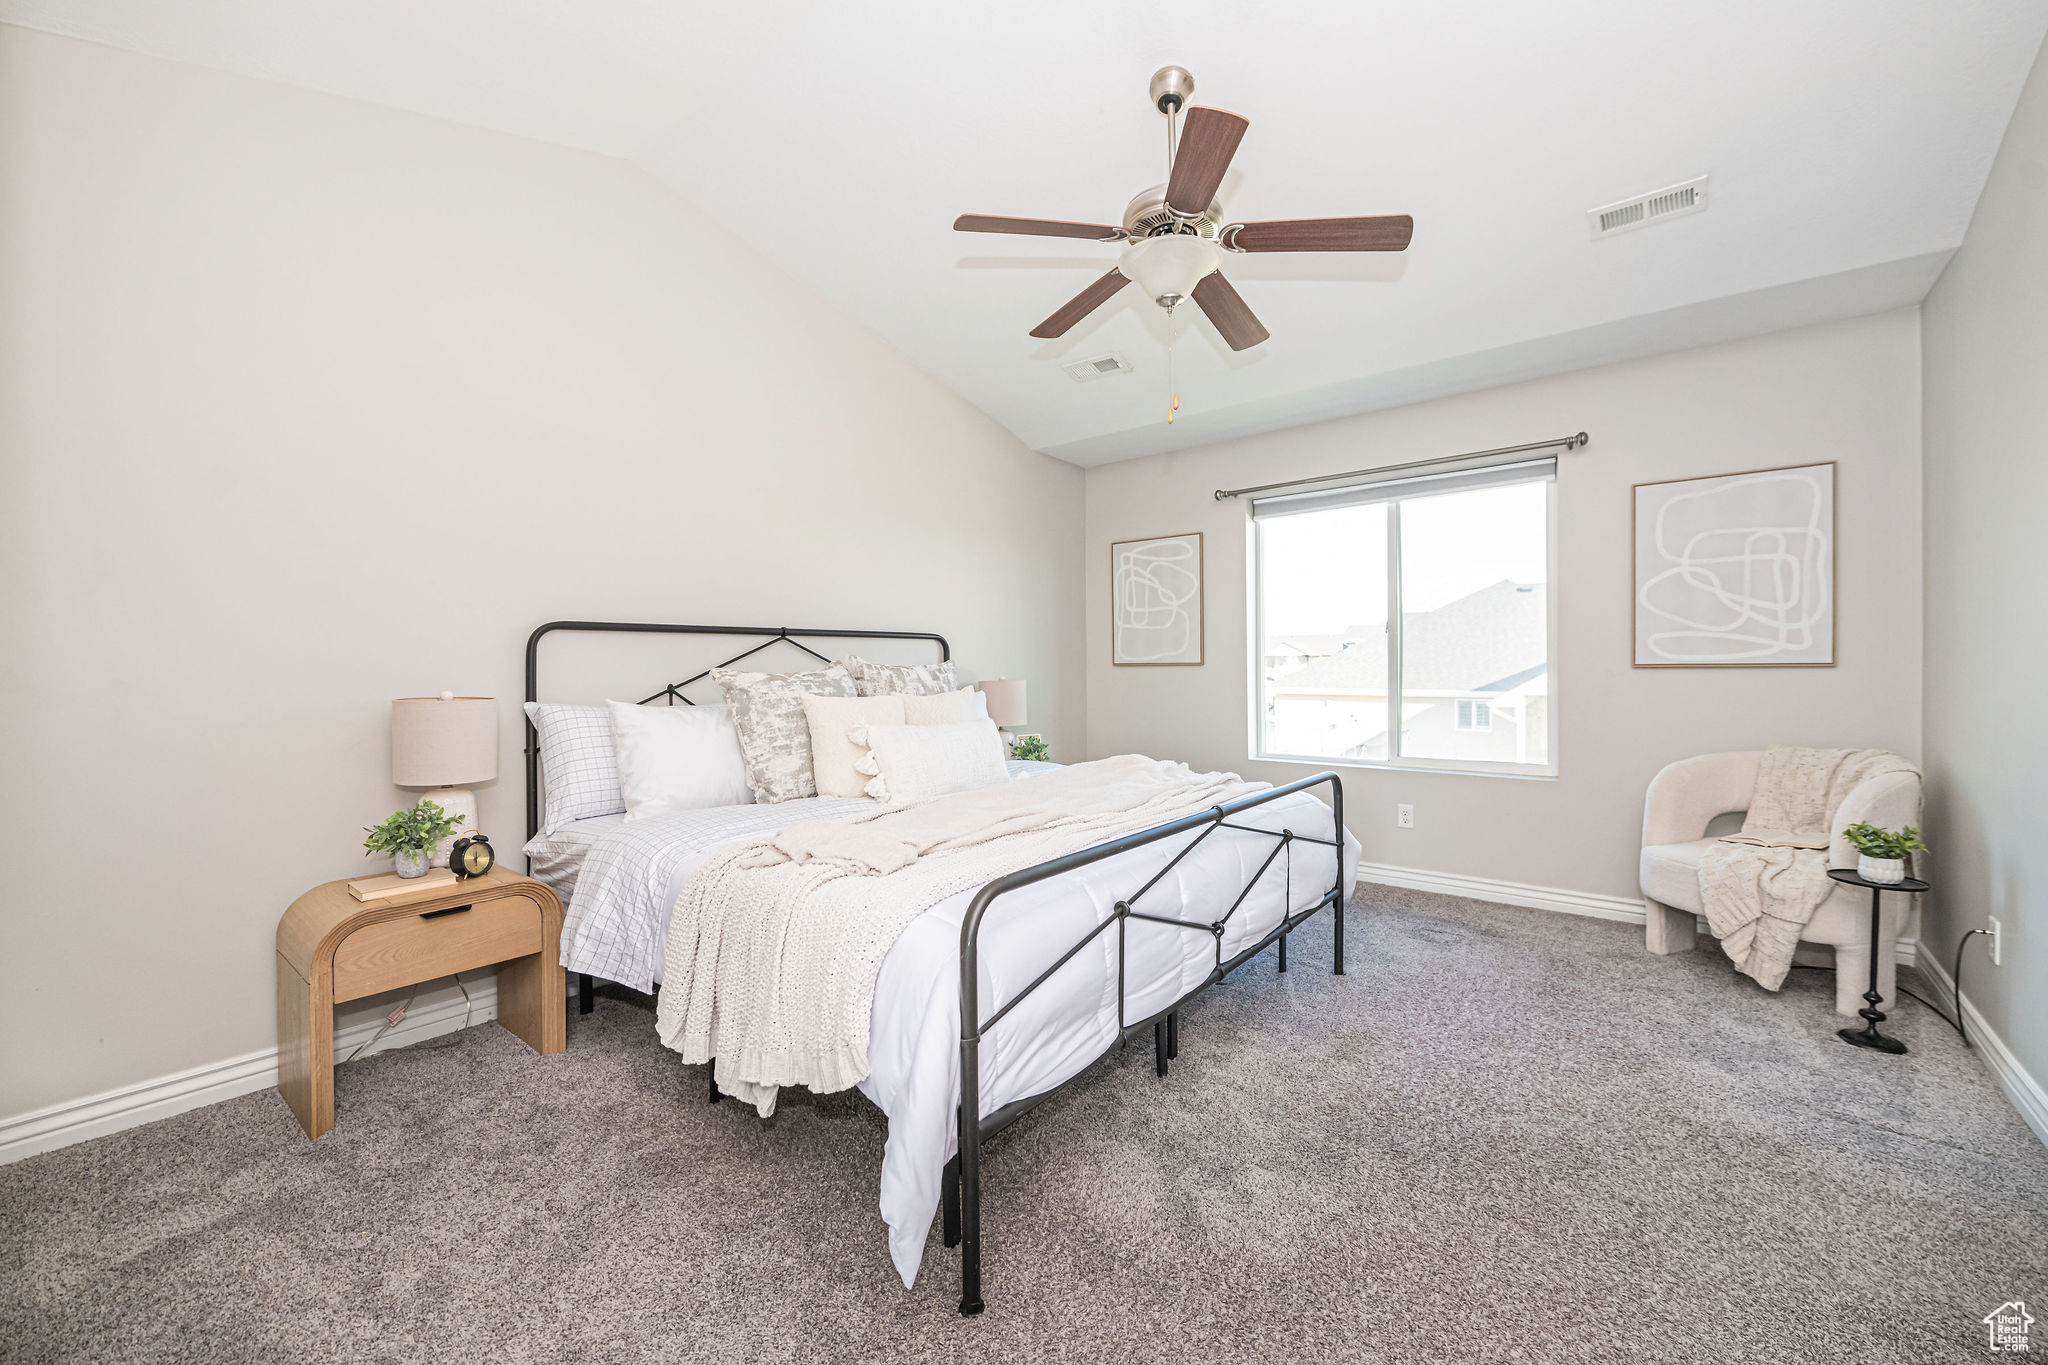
(1758, 899)
(776, 942)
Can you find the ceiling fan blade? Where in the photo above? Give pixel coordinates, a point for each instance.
(1388, 232)
(1220, 302)
(1208, 139)
(1081, 305)
(1037, 227)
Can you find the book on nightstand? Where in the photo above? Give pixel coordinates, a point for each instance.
(392, 887)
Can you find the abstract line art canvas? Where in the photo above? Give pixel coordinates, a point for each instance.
(1736, 570)
(1156, 600)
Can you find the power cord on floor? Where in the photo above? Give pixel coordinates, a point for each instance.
(1956, 976)
(392, 1019)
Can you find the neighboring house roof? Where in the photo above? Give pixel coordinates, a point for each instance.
(1487, 641)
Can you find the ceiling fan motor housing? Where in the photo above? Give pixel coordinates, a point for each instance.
(1148, 216)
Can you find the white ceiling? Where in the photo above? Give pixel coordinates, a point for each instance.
(1847, 141)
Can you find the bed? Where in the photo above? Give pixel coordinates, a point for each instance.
(1054, 965)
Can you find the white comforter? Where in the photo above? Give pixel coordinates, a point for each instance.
(617, 927)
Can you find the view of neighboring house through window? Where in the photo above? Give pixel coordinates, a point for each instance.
(1408, 621)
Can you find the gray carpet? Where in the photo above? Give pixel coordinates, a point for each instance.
(1506, 1136)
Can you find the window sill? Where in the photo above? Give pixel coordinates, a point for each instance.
(1516, 772)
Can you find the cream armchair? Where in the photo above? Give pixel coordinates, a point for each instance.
(1687, 796)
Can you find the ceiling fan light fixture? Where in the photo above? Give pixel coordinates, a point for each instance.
(1168, 268)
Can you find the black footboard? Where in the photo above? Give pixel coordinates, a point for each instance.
(962, 1185)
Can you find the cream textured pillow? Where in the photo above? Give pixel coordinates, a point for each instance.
(832, 753)
(917, 762)
(876, 680)
(945, 708)
(768, 712)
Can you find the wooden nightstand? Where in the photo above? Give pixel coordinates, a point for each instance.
(332, 947)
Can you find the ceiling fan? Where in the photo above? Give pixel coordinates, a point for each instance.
(1174, 235)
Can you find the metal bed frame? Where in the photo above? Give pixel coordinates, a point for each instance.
(960, 1198)
(586, 995)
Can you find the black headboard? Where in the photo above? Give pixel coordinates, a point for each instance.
(672, 693)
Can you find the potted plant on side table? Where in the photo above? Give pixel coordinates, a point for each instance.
(410, 837)
(1881, 853)
(1030, 748)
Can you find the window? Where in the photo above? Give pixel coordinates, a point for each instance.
(1408, 622)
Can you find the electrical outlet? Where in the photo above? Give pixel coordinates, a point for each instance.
(1404, 816)
(1992, 924)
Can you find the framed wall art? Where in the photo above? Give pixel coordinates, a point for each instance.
(1736, 570)
(1155, 614)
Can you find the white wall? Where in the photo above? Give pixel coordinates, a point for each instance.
(305, 405)
(1987, 567)
(1845, 391)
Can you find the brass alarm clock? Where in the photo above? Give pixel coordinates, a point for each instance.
(471, 856)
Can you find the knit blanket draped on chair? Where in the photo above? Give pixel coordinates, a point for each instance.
(1758, 899)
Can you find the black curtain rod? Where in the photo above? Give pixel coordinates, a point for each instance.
(1566, 442)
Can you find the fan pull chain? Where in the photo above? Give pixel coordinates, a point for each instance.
(1172, 383)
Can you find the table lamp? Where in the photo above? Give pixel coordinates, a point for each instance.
(445, 743)
(1005, 697)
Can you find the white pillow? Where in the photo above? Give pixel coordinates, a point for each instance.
(579, 773)
(945, 708)
(673, 758)
(832, 753)
(917, 762)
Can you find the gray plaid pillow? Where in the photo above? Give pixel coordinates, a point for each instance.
(775, 737)
(579, 771)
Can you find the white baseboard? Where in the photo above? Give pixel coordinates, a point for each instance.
(2020, 1087)
(1627, 909)
(60, 1125)
(1623, 909)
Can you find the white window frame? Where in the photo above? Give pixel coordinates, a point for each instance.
(1255, 595)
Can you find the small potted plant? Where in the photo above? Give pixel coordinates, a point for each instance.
(1030, 748)
(1881, 853)
(410, 837)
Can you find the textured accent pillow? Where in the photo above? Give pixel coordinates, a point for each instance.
(945, 708)
(878, 680)
(578, 773)
(768, 712)
(675, 758)
(832, 753)
(917, 762)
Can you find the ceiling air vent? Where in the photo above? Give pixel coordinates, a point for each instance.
(1645, 209)
(1084, 370)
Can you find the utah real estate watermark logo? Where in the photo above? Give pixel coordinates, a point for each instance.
(2007, 1325)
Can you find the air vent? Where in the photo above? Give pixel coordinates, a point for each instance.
(1084, 370)
(1645, 209)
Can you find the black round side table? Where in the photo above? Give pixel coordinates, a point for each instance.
(1868, 1036)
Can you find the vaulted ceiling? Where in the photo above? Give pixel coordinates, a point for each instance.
(1847, 141)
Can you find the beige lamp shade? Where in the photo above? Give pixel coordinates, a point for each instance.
(1005, 700)
(444, 741)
